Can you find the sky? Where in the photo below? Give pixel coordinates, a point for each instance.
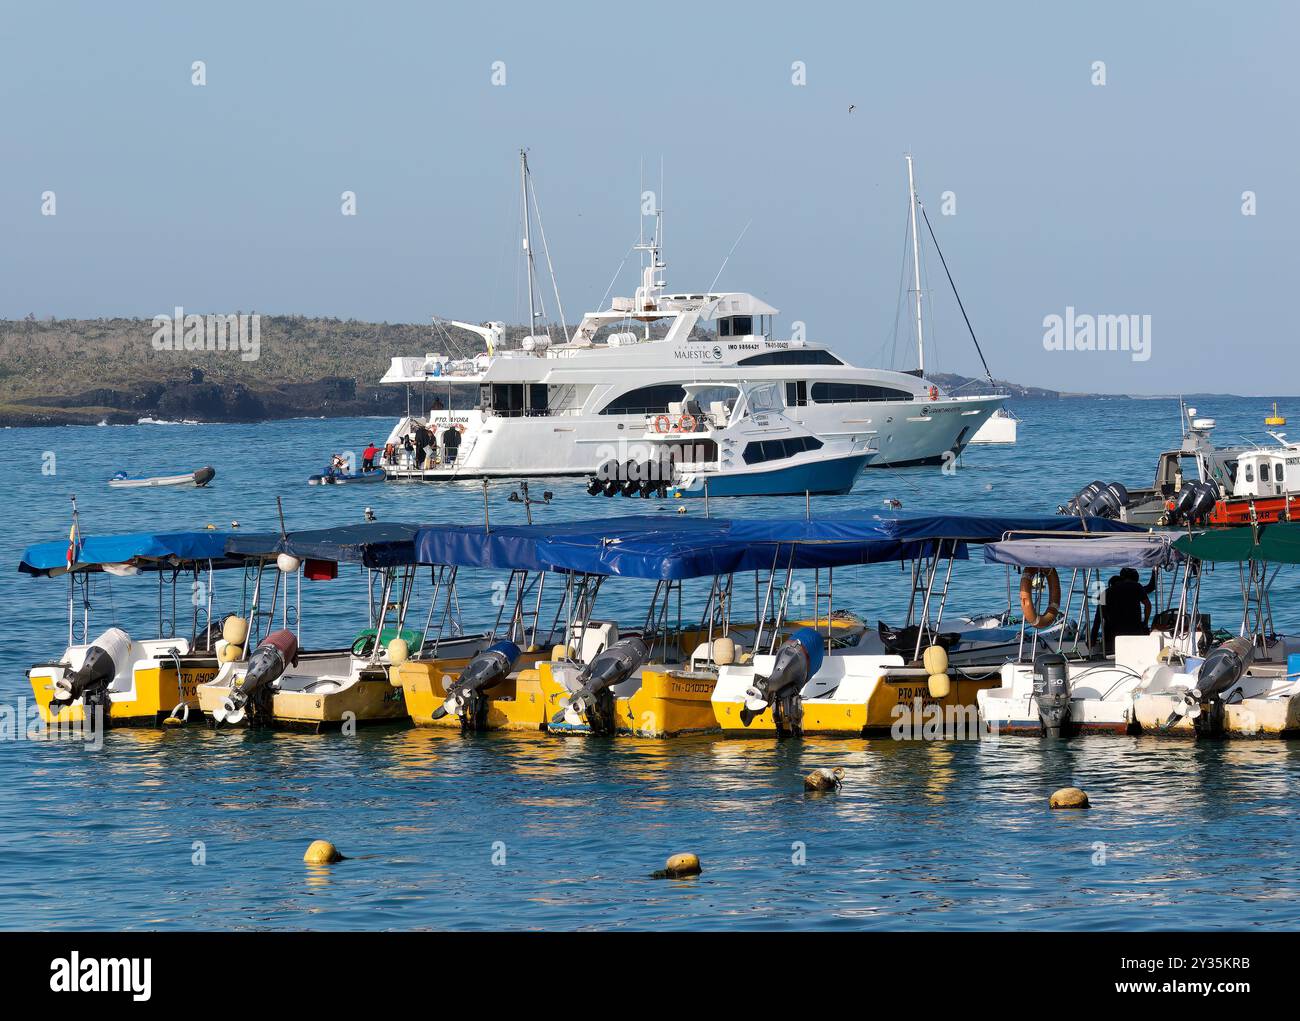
(1115, 199)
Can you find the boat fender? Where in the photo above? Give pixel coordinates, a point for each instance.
(724, 651)
(287, 563)
(935, 660)
(230, 653)
(234, 630)
(939, 685)
(398, 651)
(1053, 610)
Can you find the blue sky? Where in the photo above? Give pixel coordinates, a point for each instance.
(1117, 199)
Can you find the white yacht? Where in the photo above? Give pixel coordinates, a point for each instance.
(565, 407)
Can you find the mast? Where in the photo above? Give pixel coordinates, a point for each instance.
(916, 264)
(528, 248)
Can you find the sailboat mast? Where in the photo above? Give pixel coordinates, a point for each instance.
(916, 265)
(528, 247)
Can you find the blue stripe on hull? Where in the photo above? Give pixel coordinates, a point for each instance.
(834, 476)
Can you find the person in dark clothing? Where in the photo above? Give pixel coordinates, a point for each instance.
(1126, 609)
(423, 440)
(450, 444)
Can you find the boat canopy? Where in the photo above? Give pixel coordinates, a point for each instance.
(371, 544)
(1139, 551)
(145, 551)
(1277, 543)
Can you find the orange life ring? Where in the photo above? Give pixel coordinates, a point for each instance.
(1027, 608)
(459, 427)
(663, 423)
(682, 424)
(934, 393)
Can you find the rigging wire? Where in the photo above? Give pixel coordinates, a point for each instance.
(978, 351)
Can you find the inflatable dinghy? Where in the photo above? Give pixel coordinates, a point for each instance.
(195, 478)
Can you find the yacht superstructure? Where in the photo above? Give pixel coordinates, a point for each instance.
(566, 407)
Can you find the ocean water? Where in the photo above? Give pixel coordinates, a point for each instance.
(500, 831)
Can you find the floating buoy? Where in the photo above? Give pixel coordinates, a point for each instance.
(824, 779)
(939, 685)
(322, 852)
(1275, 418)
(1069, 797)
(679, 866)
(681, 510)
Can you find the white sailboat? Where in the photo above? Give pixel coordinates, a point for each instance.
(565, 407)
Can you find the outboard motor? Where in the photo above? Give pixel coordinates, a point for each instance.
(798, 659)
(1182, 507)
(1074, 506)
(1052, 693)
(109, 653)
(1205, 497)
(594, 697)
(278, 651)
(484, 671)
(1223, 668)
(1108, 502)
(596, 484)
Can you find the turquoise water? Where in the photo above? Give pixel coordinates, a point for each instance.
(521, 831)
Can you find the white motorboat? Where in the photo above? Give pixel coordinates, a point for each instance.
(566, 404)
(999, 428)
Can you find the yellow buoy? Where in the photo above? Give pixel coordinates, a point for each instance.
(1275, 418)
(824, 779)
(935, 660)
(230, 653)
(684, 864)
(1069, 797)
(234, 630)
(322, 852)
(939, 685)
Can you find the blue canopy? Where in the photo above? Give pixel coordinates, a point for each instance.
(148, 551)
(372, 544)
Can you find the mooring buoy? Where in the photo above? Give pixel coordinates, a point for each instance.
(322, 852)
(1069, 797)
(824, 779)
(679, 866)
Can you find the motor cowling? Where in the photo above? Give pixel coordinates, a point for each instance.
(484, 671)
(797, 660)
(1205, 495)
(1082, 498)
(1108, 501)
(1222, 668)
(276, 653)
(107, 655)
(1051, 692)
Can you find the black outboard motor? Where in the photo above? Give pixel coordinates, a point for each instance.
(1108, 502)
(1182, 507)
(798, 659)
(594, 700)
(1074, 506)
(1205, 497)
(90, 682)
(1052, 693)
(466, 695)
(1223, 668)
(277, 652)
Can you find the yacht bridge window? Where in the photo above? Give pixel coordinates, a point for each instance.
(736, 326)
(794, 356)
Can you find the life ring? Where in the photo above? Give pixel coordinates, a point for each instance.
(459, 427)
(1030, 612)
(683, 426)
(934, 393)
(663, 423)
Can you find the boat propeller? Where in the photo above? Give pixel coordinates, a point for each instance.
(798, 659)
(592, 697)
(276, 653)
(90, 681)
(465, 695)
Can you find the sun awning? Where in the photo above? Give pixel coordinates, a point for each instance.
(1139, 551)
(1275, 544)
(147, 551)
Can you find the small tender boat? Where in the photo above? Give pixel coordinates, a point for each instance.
(329, 478)
(201, 477)
(119, 678)
(736, 440)
(998, 428)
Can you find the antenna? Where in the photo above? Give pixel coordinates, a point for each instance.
(729, 255)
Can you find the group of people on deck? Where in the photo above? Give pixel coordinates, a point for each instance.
(424, 448)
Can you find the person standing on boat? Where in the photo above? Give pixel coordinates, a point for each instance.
(1125, 608)
(368, 457)
(450, 444)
